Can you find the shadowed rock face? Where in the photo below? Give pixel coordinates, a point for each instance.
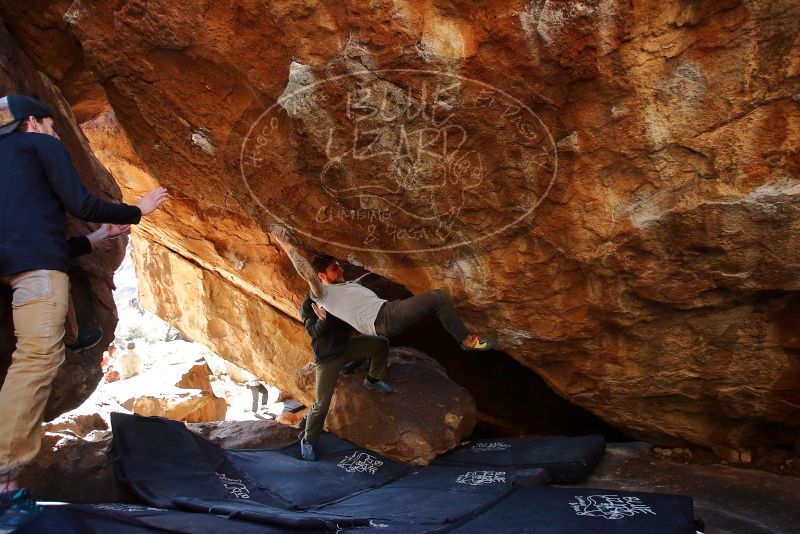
(621, 181)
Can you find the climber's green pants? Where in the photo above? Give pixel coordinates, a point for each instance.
(358, 347)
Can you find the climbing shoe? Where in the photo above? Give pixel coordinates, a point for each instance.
(378, 385)
(16, 509)
(476, 343)
(307, 451)
(87, 338)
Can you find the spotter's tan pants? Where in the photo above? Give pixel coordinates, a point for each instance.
(39, 302)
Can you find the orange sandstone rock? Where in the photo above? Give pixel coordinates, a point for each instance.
(610, 187)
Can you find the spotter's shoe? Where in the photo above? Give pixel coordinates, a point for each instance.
(379, 385)
(17, 509)
(480, 344)
(307, 451)
(87, 338)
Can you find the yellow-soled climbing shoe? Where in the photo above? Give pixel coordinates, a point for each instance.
(476, 343)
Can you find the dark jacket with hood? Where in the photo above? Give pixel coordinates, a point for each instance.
(38, 183)
(328, 337)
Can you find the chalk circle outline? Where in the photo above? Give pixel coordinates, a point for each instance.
(346, 246)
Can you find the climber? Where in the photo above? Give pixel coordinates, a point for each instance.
(364, 310)
(38, 183)
(334, 347)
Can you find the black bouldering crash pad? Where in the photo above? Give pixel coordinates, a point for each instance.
(582, 510)
(194, 486)
(566, 459)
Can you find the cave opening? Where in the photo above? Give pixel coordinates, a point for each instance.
(512, 400)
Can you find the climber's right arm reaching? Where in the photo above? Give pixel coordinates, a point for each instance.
(301, 264)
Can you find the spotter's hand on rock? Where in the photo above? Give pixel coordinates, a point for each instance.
(152, 200)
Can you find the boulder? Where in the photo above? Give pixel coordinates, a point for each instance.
(427, 414)
(292, 417)
(74, 469)
(94, 415)
(267, 434)
(190, 406)
(79, 424)
(198, 376)
(610, 187)
(179, 390)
